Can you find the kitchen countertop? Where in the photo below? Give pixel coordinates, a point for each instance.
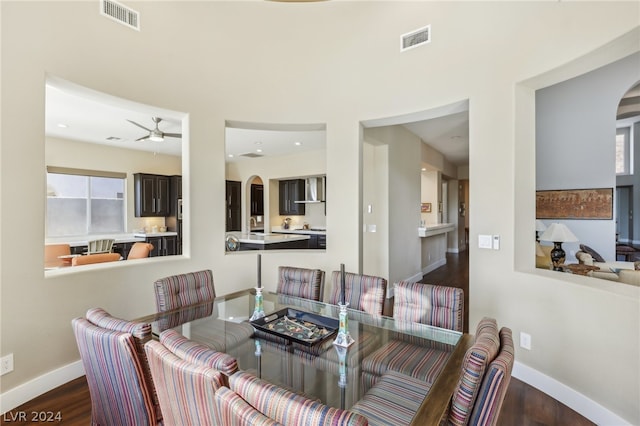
(156, 234)
(119, 238)
(259, 238)
(299, 231)
(435, 229)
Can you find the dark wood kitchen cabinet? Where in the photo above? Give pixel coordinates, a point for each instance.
(257, 200)
(163, 246)
(291, 191)
(232, 202)
(152, 194)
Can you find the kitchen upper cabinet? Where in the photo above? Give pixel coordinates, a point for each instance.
(233, 205)
(152, 194)
(257, 200)
(290, 192)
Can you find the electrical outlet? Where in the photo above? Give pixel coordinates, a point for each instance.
(525, 340)
(6, 364)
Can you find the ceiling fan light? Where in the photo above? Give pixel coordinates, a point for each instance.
(156, 138)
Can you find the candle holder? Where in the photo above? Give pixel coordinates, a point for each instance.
(343, 338)
(258, 311)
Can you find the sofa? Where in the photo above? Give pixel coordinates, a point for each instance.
(623, 272)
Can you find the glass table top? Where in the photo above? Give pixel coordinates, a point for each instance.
(335, 375)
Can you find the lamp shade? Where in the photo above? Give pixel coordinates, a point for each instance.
(540, 226)
(558, 233)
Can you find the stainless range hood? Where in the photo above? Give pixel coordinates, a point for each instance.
(314, 190)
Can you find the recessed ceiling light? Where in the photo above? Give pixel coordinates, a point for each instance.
(258, 143)
(230, 155)
(258, 150)
(62, 125)
(424, 169)
(297, 143)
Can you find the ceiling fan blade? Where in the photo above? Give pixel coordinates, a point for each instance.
(144, 138)
(139, 125)
(173, 135)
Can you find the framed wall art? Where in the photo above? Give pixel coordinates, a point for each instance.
(575, 204)
(425, 208)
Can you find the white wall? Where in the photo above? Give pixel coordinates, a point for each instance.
(343, 66)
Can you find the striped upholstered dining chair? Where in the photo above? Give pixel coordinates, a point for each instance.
(435, 305)
(494, 383)
(475, 364)
(120, 386)
(186, 387)
(301, 282)
(185, 289)
(362, 292)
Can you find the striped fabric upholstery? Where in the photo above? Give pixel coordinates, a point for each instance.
(394, 400)
(495, 383)
(301, 282)
(362, 292)
(185, 391)
(435, 305)
(181, 290)
(119, 392)
(287, 407)
(414, 360)
(198, 354)
(235, 411)
(474, 365)
(141, 334)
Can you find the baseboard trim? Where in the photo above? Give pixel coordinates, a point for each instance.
(33, 388)
(571, 398)
(433, 266)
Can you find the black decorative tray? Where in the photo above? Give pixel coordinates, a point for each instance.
(298, 326)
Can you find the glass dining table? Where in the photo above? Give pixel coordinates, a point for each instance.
(317, 368)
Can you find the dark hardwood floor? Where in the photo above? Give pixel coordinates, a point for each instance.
(523, 406)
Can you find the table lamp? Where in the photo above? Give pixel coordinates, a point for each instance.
(540, 227)
(558, 233)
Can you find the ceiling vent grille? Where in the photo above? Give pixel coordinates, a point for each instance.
(415, 38)
(251, 155)
(120, 13)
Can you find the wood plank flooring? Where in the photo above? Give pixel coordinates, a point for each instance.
(523, 405)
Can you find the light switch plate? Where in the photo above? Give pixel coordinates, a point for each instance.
(485, 241)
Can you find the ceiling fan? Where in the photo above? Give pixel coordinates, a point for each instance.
(155, 134)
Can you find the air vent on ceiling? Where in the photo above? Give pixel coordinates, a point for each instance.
(415, 38)
(114, 138)
(250, 155)
(120, 13)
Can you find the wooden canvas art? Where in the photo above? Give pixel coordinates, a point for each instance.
(575, 204)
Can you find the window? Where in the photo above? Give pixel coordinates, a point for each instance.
(84, 202)
(623, 151)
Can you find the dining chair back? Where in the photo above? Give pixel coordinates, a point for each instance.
(474, 365)
(185, 389)
(362, 292)
(435, 305)
(52, 253)
(140, 251)
(301, 282)
(180, 290)
(121, 393)
(100, 246)
(495, 383)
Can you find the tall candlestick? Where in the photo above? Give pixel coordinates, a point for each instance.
(259, 271)
(342, 285)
